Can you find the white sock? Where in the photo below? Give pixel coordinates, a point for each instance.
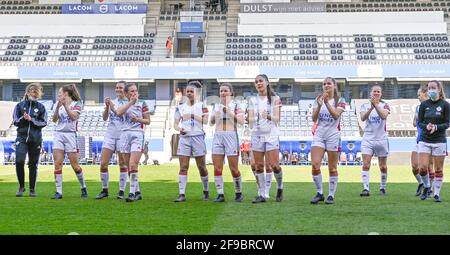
(261, 184)
(137, 188)
(58, 183)
(268, 184)
(123, 181)
(333, 185)
(205, 183)
(257, 181)
(219, 184)
(383, 181)
(418, 178)
(365, 175)
(426, 180)
(438, 181)
(279, 178)
(318, 182)
(182, 181)
(81, 179)
(105, 179)
(133, 182)
(237, 184)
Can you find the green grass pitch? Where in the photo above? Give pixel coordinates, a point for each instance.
(399, 212)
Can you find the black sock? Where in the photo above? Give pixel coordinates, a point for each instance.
(33, 176)
(20, 173)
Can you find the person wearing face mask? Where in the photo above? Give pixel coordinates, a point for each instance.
(29, 117)
(434, 118)
(375, 139)
(422, 95)
(327, 110)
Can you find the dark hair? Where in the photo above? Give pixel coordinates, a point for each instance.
(72, 91)
(229, 86)
(128, 85)
(195, 84)
(335, 90)
(270, 92)
(376, 85)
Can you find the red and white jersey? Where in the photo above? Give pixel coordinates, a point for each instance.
(65, 123)
(191, 126)
(259, 105)
(375, 128)
(137, 110)
(326, 124)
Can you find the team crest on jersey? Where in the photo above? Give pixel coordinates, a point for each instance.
(36, 110)
(438, 109)
(302, 146)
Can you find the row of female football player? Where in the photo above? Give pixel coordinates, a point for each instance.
(125, 134)
(127, 116)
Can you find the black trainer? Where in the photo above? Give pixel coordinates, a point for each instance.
(84, 193)
(419, 189)
(20, 192)
(121, 194)
(103, 194)
(437, 199)
(57, 196)
(220, 198)
(430, 192)
(318, 197)
(330, 200)
(205, 195)
(382, 192)
(424, 193)
(279, 196)
(181, 198)
(238, 197)
(130, 198)
(365, 193)
(138, 195)
(33, 193)
(259, 199)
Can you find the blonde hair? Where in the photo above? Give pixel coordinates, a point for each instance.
(31, 86)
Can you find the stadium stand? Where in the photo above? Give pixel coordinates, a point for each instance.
(77, 49)
(406, 47)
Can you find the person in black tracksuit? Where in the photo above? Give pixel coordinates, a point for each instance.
(29, 117)
(434, 120)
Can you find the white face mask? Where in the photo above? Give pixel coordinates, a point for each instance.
(32, 98)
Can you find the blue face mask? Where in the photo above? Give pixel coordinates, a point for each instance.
(433, 94)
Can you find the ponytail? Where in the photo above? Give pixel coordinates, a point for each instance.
(335, 90)
(72, 91)
(30, 86)
(270, 92)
